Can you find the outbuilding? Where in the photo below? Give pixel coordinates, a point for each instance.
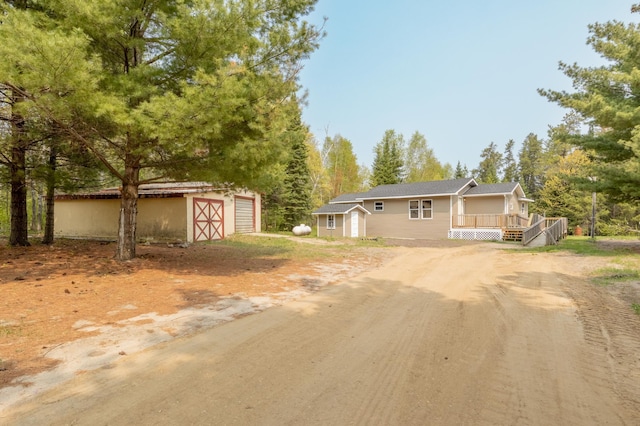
(186, 211)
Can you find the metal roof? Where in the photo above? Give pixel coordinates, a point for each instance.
(149, 190)
(340, 208)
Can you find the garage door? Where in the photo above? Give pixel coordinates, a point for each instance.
(245, 221)
(208, 219)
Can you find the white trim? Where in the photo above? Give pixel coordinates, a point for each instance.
(375, 208)
(334, 221)
(421, 209)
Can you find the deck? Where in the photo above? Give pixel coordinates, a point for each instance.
(509, 228)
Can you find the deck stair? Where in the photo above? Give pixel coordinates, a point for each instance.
(512, 234)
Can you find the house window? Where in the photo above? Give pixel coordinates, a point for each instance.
(420, 209)
(414, 209)
(331, 221)
(426, 209)
(522, 208)
(378, 206)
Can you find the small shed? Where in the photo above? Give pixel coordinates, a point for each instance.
(342, 220)
(186, 211)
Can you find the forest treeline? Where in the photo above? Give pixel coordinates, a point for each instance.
(104, 93)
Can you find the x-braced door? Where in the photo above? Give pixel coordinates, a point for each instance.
(208, 219)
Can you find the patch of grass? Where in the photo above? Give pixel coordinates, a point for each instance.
(609, 275)
(10, 331)
(581, 245)
(636, 308)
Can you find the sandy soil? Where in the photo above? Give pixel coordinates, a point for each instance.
(459, 334)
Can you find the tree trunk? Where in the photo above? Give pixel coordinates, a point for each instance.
(19, 235)
(128, 212)
(51, 186)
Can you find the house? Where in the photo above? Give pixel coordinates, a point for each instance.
(457, 208)
(187, 211)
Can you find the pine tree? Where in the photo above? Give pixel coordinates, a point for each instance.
(388, 165)
(531, 165)
(608, 99)
(460, 171)
(510, 167)
(296, 198)
(490, 166)
(163, 90)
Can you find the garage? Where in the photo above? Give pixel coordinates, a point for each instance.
(183, 211)
(245, 215)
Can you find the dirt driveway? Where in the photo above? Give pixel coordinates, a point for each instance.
(465, 334)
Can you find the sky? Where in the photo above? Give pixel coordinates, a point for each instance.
(462, 73)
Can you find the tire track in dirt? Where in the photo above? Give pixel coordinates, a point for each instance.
(611, 333)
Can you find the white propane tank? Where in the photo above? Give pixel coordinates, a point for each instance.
(301, 229)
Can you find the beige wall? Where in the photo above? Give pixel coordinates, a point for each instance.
(322, 226)
(86, 218)
(161, 218)
(157, 218)
(484, 205)
(394, 221)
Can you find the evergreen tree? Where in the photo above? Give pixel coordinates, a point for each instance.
(488, 170)
(297, 182)
(460, 171)
(531, 165)
(510, 167)
(163, 89)
(608, 98)
(388, 166)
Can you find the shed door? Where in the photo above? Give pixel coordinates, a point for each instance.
(354, 224)
(208, 219)
(245, 221)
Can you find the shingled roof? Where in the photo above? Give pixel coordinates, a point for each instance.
(493, 188)
(340, 208)
(418, 189)
(347, 198)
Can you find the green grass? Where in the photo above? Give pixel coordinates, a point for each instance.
(581, 245)
(636, 308)
(611, 275)
(10, 331)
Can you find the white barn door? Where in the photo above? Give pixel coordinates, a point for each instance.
(354, 224)
(245, 215)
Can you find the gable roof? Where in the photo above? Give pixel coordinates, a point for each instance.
(347, 198)
(418, 189)
(498, 189)
(492, 188)
(340, 208)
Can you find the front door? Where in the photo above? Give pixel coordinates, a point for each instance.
(354, 224)
(208, 219)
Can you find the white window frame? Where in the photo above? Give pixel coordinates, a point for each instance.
(522, 207)
(420, 209)
(331, 221)
(378, 206)
(423, 209)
